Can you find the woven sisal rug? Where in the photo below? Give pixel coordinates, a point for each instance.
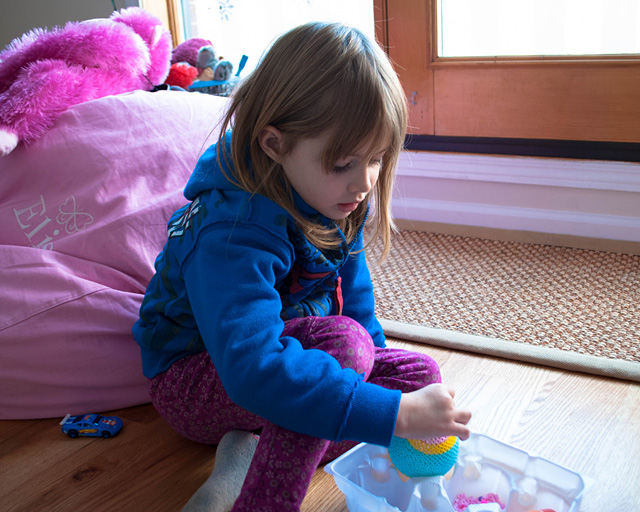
(562, 307)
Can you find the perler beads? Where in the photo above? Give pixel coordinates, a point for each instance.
(462, 501)
(424, 457)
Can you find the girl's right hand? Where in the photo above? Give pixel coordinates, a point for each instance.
(431, 412)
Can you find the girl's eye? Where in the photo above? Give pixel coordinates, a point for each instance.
(342, 168)
(345, 167)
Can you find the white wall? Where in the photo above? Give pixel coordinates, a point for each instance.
(20, 16)
(593, 199)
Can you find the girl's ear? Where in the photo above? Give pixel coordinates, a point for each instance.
(271, 141)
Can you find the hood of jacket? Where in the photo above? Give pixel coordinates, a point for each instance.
(208, 174)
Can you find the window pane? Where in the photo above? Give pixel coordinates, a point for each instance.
(247, 27)
(479, 28)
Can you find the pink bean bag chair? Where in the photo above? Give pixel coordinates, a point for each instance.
(83, 213)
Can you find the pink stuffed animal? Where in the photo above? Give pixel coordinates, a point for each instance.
(188, 51)
(43, 73)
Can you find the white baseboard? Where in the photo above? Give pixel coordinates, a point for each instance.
(591, 199)
(591, 225)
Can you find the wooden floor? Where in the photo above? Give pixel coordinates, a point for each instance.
(588, 424)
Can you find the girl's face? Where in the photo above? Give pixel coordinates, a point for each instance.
(337, 192)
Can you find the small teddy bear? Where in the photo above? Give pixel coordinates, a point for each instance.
(43, 73)
(206, 63)
(223, 70)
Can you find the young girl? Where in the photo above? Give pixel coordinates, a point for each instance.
(261, 312)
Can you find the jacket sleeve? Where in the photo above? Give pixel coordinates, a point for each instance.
(237, 311)
(357, 293)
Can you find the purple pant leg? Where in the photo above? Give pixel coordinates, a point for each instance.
(394, 369)
(404, 370)
(285, 461)
(192, 400)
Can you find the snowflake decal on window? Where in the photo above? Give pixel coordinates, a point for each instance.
(225, 7)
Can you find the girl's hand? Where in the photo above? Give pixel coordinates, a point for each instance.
(430, 412)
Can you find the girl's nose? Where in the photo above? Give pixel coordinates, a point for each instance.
(363, 179)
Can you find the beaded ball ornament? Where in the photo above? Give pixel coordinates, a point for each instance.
(424, 457)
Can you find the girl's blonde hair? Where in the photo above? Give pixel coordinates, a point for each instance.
(317, 79)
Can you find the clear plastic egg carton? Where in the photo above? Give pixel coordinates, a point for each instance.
(523, 483)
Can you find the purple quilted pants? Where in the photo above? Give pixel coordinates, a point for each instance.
(193, 401)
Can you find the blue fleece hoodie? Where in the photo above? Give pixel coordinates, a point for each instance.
(234, 268)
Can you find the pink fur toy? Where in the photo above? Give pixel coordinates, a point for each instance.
(43, 73)
(188, 51)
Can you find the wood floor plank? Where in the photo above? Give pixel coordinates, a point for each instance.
(588, 424)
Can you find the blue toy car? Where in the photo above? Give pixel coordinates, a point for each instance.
(91, 425)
